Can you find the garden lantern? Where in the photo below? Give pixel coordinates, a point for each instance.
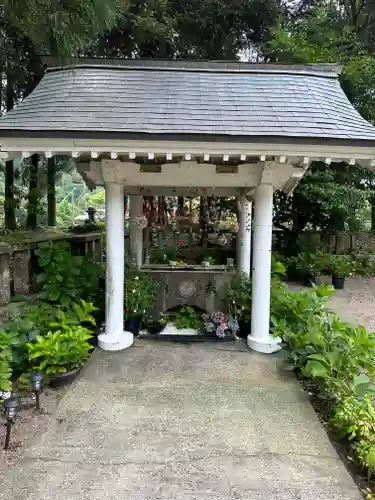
(11, 407)
(37, 383)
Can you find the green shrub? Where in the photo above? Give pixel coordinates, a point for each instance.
(6, 344)
(61, 351)
(341, 265)
(363, 265)
(66, 278)
(140, 293)
(187, 317)
(365, 453)
(238, 296)
(354, 418)
(308, 265)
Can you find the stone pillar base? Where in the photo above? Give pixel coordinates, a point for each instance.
(265, 346)
(115, 343)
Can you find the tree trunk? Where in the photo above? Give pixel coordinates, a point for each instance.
(33, 196)
(180, 204)
(51, 191)
(9, 203)
(204, 210)
(373, 216)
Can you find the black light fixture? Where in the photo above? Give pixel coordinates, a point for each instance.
(37, 384)
(11, 407)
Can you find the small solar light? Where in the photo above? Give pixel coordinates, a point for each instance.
(11, 407)
(37, 384)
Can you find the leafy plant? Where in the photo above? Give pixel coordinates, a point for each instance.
(238, 295)
(355, 418)
(66, 278)
(187, 317)
(341, 265)
(363, 265)
(140, 292)
(62, 350)
(309, 265)
(6, 343)
(209, 260)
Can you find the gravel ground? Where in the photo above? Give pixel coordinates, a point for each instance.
(356, 303)
(28, 427)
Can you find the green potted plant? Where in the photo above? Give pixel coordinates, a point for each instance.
(341, 266)
(62, 353)
(187, 318)
(238, 297)
(309, 266)
(208, 261)
(140, 292)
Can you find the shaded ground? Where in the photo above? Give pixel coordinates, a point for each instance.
(30, 425)
(182, 421)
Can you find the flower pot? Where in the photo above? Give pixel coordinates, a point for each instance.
(155, 328)
(245, 329)
(309, 280)
(61, 379)
(338, 282)
(133, 326)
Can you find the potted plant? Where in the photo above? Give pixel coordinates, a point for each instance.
(341, 266)
(309, 266)
(222, 326)
(187, 318)
(140, 291)
(238, 296)
(208, 261)
(62, 353)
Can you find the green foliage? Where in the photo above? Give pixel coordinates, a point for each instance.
(60, 351)
(140, 293)
(355, 418)
(66, 278)
(308, 264)
(187, 317)
(6, 344)
(341, 265)
(363, 265)
(337, 355)
(238, 295)
(365, 452)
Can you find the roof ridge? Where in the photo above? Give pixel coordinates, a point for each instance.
(319, 69)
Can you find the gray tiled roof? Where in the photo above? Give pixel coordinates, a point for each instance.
(169, 98)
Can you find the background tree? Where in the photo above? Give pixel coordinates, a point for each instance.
(329, 198)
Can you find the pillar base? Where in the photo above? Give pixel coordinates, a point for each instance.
(273, 344)
(115, 343)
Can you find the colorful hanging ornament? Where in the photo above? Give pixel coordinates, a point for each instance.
(222, 240)
(140, 221)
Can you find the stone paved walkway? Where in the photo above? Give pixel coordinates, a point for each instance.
(172, 421)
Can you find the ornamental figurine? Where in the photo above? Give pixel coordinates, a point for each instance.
(222, 240)
(140, 221)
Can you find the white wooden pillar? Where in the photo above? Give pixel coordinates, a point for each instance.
(244, 236)
(114, 338)
(136, 233)
(260, 339)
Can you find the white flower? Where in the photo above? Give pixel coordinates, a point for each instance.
(136, 277)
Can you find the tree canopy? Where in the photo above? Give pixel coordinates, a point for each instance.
(289, 31)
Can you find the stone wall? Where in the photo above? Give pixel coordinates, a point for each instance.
(19, 263)
(340, 242)
(197, 286)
